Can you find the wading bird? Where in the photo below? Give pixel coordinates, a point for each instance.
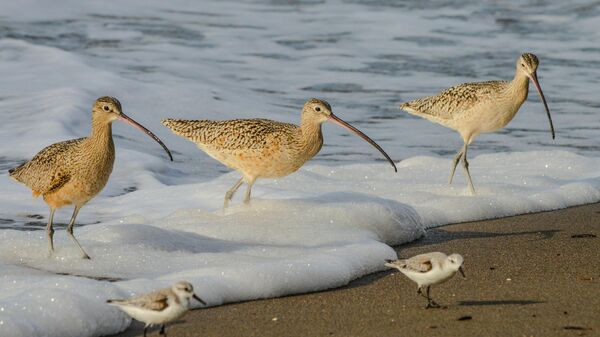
(429, 269)
(261, 148)
(74, 171)
(159, 307)
(473, 108)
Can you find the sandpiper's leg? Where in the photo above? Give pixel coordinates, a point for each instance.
(162, 330)
(420, 293)
(428, 299)
(229, 194)
(430, 303)
(466, 167)
(70, 232)
(145, 330)
(50, 232)
(454, 164)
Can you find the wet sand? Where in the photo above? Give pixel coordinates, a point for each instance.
(528, 275)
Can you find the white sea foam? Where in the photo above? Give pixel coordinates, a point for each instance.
(294, 238)
(157, 222)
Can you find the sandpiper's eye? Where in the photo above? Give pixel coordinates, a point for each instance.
(522, 64)
(317, 109)
(106, 108)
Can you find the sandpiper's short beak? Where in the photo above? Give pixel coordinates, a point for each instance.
(462, 271)
(333, 118)
(123, 117)
(198, 299)
(534, 79)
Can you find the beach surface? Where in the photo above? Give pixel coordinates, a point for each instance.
(528, 275)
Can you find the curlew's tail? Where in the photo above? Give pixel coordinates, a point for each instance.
(14, 173)
(423, 107)
(115, 302)
(408, 107)
(186, 128)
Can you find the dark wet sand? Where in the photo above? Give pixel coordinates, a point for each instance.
(528, 275)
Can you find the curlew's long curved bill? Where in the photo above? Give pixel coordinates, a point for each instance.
(333, 118)
(534, 79)
(199, 299)
(123, 117)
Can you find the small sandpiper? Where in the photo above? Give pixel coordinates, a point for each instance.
(159, 307)
(429, 269)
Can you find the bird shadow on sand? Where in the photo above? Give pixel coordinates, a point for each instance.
(498, 302)
(438, 235)
(137, 329)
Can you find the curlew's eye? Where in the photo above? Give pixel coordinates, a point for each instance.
(522, 64)
(106, 108)
(317, 109)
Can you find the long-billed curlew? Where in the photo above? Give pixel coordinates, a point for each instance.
(74, 171)
(429, 269)
(261, 148)
(472, 108)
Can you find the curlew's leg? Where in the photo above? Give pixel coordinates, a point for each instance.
(70, 232)
(248, 191)
(466, 167)
(454, 164)
(50, 231)
(229, 194)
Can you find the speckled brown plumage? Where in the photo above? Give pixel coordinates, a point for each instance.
(455, 100)
(260, 148)
(82, 162)
(75, 171)
(473, 108)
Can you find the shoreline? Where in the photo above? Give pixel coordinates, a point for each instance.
(536, 274)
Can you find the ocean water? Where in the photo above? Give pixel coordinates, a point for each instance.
(157, 222)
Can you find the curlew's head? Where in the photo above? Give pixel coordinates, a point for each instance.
(319, 111)
(528, 64)
(107, 109)
(316, 109)
(185, 290)
(455, 261)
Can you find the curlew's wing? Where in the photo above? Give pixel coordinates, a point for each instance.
(49, 169)
(236, 134)
(452, 101)
(157, 301)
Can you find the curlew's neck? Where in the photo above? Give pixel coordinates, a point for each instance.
(519, 86)
(101, 134)
(311, 137)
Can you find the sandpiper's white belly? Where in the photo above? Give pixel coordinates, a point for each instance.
(434, 276)
(171, 313)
